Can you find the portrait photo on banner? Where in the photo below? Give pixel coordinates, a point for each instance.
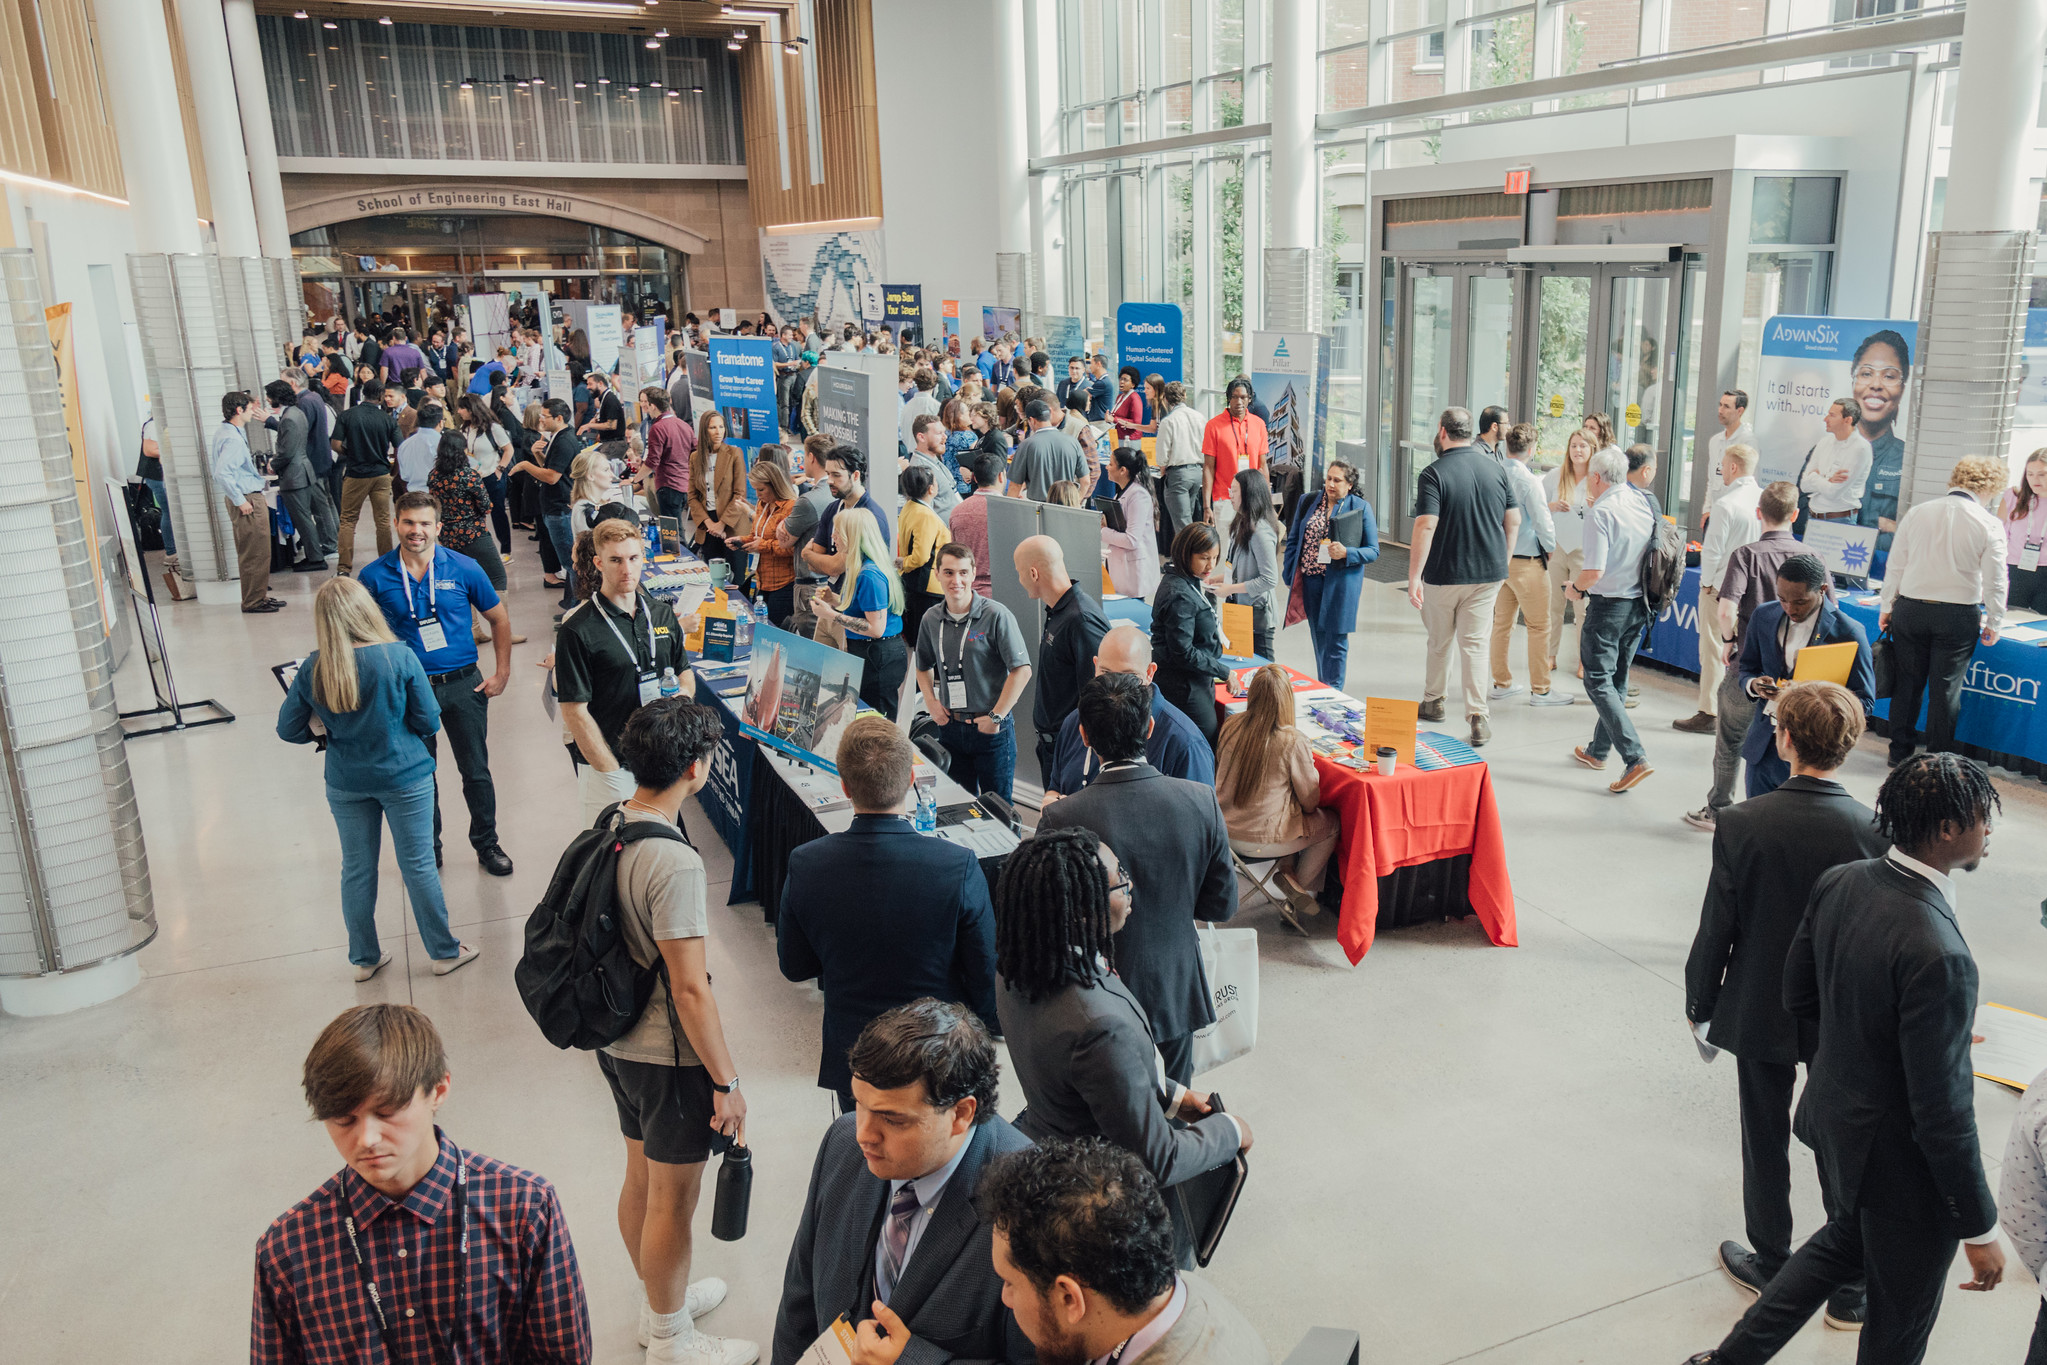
(800, 692)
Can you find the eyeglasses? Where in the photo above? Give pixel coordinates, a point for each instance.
(1123, 885)
(1889, 376)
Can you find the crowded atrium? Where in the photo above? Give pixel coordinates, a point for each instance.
(1197, 682)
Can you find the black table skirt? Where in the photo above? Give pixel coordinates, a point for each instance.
(1421, 894)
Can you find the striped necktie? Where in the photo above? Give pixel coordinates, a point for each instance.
(896, 1241)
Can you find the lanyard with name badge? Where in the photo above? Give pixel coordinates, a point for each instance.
(650, 681)
(445, 1345)
(954, 674)
(432, 635)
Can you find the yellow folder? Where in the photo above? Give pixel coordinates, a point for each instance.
(1236, 628)
(1825, 663)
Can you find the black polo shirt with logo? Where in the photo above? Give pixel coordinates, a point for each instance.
(600, 667)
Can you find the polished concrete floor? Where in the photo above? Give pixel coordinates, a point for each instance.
(1511, 1156)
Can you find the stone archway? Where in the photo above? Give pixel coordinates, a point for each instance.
(486, 198)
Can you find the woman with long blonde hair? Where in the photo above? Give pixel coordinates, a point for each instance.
(1270, 792)
(872, 610)
(369, 696)
(1569, 500)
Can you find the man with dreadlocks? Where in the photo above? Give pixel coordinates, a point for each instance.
(1081, 1045)
(1888, 1106)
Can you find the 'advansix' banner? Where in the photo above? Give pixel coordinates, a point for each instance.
(1807, 364)
(743, 390)
(1151, 337)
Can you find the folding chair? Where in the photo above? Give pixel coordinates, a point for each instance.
(1259, 864)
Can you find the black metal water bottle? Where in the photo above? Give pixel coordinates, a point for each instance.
(735, 1194)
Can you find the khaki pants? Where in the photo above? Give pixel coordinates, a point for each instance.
(1564, 565)
(353, 491)
(1526, 590)
(1457, 615)
(1710, 646)
(252, 549)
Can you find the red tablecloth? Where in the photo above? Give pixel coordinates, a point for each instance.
(1415, 817)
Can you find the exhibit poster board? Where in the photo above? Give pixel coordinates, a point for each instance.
(490, 324)
(743, 390)
(1065, 338)
(697, 365)
(857, 403)
(842, 409)
(1808, 362)
(949, 327)
(1290, 371)
(606, 333)
(1842, 546)
(1152, 336)
(903, 313)
(800, 692)
(1001, 324)
(818, 274)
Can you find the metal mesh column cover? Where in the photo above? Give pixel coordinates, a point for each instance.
(1016, 287)
(287, 303)
(74, 879)
(1965, 383)
(189, 359)
(252, 329)
(1296, 288)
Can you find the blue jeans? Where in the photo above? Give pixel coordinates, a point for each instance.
(170, 542)
(1332, 647)
(1607, 640)
(360, 819)
(557, 525)
(981, 762)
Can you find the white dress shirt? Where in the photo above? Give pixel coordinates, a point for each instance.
(1732, 525)
(1744, 435)
(2022, 1185)
(929, 1188)
(1948, 550)
(1537, 531)
(1570, 523)
(1179, 438)
(1153, 1332)
(1797, 635)
(1830, 457)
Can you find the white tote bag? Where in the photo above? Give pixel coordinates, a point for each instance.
(1229, 961)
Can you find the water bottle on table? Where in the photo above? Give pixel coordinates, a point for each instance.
(760, 610)
(671, 686)
(927, 814)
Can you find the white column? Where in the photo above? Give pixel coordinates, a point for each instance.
(220, 126)
(1296, 179)
(259, 139)
(133, 43)
(1012, 160)
(1987, 189)
(1041, 76)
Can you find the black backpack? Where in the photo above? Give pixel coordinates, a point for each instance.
(1663, 563)
(577, 976)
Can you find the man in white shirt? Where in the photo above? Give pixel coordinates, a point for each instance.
(1617, 534)
(1179, 460)
(1733, 524)
(1837, 466)
(417, 452)
(1735, 429)
(1944, 589)
(919, 403)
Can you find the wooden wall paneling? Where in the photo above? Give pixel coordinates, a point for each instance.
(183, 74)
(39, 42)
(85, 120)
(21, 120)
(844, 48)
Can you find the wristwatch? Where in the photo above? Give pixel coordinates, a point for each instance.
(726, 1089)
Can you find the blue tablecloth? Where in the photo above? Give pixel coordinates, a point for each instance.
(728, 794)
(2002, 718)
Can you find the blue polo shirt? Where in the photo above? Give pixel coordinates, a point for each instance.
(456, 582)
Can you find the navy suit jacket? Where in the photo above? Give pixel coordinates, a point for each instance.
(1762, 656)
(882, 915)
(1175, 748)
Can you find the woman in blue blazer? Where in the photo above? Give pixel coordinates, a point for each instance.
(1330, 591)
(369, 696)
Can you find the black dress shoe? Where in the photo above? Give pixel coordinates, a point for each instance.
(275, 602)
(1702, 1358)
(264, 609)
(1742, 1267)
(494, 861)
(437, 855)
(1846, 1307)
(310, 566)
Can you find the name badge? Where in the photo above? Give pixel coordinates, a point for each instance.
(1327, 558)
(2029, 558)
(431, 635)
(834, 1347)
(650, 687)
(955, 694)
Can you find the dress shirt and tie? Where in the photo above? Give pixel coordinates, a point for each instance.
(909, 1213)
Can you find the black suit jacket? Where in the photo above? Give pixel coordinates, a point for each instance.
(1170, 837)
(949, 1296)
(882, 915)
(1767, 853)
(1762, 656)
(1889, 1105)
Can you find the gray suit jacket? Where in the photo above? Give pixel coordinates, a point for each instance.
(1089, 1068)
(1209, 1330)
(950, 1296)
(289, 461)
(1170, 837)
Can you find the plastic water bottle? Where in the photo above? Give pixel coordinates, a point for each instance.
(927, 814)
(742, 632)
(671, 686)
(653, 538)
(760, 610)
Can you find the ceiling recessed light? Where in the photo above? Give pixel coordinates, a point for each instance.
(655, 84)
(653, 45)
(300, 14)
(792, 49)
(385, 21)
(632, 89)
(739, 34)
(604, 80)
(539, 80)
(675, 94)
(467, 86)
(582, 85)
(660, 33)
(734, 45)
(523, 84)
(330, 24)
(696, 90)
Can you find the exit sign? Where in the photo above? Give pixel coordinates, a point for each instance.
(1517, 180)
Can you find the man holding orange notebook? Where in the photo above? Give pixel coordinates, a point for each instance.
(1802, 619)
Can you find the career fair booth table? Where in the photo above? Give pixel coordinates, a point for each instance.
(2002, 720)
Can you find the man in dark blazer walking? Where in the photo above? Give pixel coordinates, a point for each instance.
(1800, 618)
(1889, 1109)
(1170, 836)
(882, 915)
(891, 1233)
(1767, 853)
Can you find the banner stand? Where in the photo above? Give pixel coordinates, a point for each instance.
(154, 651)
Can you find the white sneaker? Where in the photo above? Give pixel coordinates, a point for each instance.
(1553, 697)
(365, 973)
(1510, 690)
(701, 1298)
(464, 956)
(697, 1348)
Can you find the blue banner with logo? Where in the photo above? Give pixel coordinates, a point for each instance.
(743, 391)
(1151, 336)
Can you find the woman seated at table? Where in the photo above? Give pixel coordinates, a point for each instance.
(1186, 637)
(872, 610)
(1270, 792)
(1329, 576)
(1132, 553)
